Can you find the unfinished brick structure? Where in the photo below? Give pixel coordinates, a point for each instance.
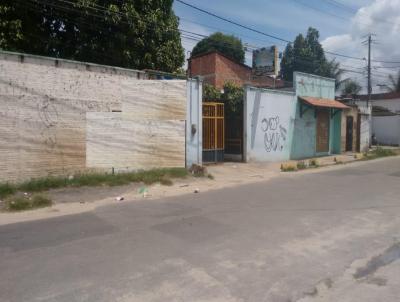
(216, 69)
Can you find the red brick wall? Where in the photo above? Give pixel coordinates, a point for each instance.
(204, 66)
(229, 71)
(216, 70)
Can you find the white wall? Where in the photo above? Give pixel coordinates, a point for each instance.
(386, 129)
(365, 132)
(59, 117)
(194, 123)
(269, 118)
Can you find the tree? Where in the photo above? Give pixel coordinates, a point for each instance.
(307, 55)
(394, 83)
(233, 98)
(351, 87)
(228, 45)
(210, 93)
(132, 33)
(334, 71)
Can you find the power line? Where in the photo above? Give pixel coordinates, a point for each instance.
(320, 10)
(228, 31)
(341, 5)
(258, 31)
(186, 34)
(232, 22)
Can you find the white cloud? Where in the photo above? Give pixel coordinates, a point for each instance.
(382, 18)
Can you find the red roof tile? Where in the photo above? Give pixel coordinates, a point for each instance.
(319, 102)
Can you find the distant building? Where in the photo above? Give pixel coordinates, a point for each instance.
(385, 118)
(216, 69)
(356, 125)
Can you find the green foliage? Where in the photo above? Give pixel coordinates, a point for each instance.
(141, 34)
(307, 55)
(40, 201)
(233, 99)
(17, 203)
(301, 165)
(22, 203)
(94, 179)
(166, 182)
(228, 45)
(351, 87)
(313, 163)
(10, 28)
(380, 152)
(210, 93)
(6, 189)
(334, 71)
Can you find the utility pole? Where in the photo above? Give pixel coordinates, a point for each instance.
(369, 69)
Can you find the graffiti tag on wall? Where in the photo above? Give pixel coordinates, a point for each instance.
(274, 134)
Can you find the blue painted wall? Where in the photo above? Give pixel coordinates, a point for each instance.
(304, 135)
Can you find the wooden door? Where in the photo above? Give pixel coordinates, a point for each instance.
(322, 130)
(349, 133)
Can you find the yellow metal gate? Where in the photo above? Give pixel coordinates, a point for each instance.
(213, 132)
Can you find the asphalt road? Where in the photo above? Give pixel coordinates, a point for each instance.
(326, 236)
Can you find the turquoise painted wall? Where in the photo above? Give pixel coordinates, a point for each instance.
(336, 134)
(304, 132)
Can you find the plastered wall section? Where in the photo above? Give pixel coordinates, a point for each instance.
(386, 129)
(304, 132)
(353, 112)
(269, 119)
(59, 117)
(148, 133)
(194, 123)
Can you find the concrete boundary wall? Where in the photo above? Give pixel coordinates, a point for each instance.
(386, 129)
(269, 118)
(59, 117)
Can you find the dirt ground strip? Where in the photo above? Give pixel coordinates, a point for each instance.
(70, 201)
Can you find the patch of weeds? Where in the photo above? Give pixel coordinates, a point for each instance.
(379, 152)
(42, 184)
(198, 171)
(40, 201)
(7, 189)
(210, 176)
(166, 182)
(94, 179)
(313, 163)
(288, 168)
(301, 165)
(17, 203)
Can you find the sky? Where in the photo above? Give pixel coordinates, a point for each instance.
(343, 26)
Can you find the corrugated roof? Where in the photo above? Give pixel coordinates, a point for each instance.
(320, 102)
